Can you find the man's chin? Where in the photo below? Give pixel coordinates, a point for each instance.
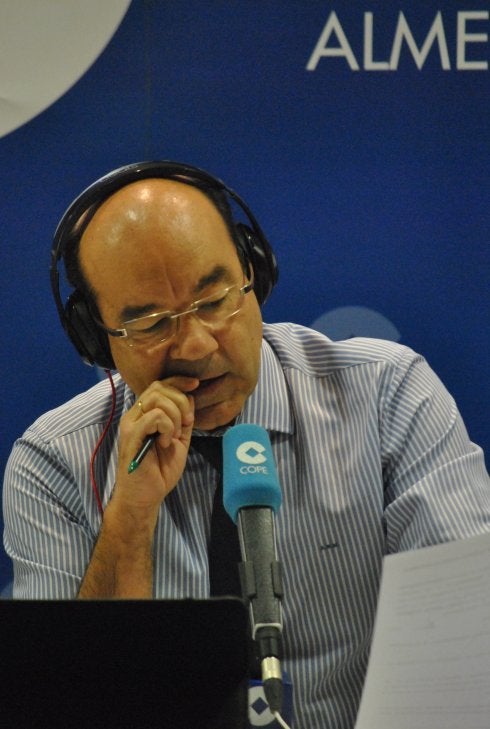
(214, 415)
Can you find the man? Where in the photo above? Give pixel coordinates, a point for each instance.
(371, 452)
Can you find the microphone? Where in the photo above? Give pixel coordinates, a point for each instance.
(251, 496)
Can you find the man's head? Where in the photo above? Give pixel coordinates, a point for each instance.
(157, 245)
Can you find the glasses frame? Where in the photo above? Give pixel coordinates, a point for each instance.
(174, 316)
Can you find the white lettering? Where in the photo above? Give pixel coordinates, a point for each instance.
(403, 32)
(333, 42)
(369, 64)
(343, 49)
(254, 469)
(464, 38)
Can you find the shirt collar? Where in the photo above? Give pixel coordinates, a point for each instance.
(269, 404)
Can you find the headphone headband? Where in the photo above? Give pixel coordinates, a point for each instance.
(76, 313)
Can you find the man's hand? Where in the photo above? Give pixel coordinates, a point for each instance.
(166, 409)
(121, 564)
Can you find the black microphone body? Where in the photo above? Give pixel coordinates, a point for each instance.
(261, 583)
(260, 571)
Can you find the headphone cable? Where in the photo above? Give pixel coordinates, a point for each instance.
(95, 488)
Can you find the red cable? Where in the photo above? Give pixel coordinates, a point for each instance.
(99, 443)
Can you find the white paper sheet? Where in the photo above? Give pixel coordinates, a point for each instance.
(429, 666)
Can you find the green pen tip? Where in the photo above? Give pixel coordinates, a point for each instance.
(133, 466)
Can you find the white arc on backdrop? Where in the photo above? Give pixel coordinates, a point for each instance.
(355, 321)
(45, 47)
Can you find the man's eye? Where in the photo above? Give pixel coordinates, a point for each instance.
(214, 304)
(156, 327)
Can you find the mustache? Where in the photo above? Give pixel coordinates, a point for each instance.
(199, 369)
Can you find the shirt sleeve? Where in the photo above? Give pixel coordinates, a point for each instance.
(437, 488)
(46, 536)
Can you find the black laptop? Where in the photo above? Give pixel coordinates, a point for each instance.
(137, 664)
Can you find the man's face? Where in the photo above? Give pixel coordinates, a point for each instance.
(158, 245)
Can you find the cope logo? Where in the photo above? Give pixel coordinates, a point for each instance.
(251, 454)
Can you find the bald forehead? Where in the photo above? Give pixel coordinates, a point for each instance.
(157, 197)
(154, 190)
(170, 206)
(155, 219)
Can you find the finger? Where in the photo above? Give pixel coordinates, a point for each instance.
(165, 406)
(174, 390)
(185, 385)
(181, 382)
(176, 384)
(187, 426)
(176, 409)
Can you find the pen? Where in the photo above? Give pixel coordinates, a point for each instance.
(147, 444)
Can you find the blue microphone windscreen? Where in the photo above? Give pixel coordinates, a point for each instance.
(249, 471)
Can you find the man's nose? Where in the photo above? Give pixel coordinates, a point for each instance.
(193, 340)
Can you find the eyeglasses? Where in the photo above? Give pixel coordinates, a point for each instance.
(212, 311)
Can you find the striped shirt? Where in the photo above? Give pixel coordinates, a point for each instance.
(372, 456)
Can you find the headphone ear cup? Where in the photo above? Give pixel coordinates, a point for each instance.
(88, 339)
(260, 255)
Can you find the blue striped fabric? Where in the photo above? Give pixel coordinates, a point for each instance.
(372, 456)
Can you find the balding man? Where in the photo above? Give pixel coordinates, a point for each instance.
(372, 455)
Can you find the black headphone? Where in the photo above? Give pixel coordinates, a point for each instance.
(77, 314)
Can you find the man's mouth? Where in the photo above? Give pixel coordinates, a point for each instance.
(209, 385)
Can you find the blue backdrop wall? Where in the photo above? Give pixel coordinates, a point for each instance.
(357, 132)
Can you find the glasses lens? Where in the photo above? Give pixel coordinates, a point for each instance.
(220, 306)
(149, 330)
